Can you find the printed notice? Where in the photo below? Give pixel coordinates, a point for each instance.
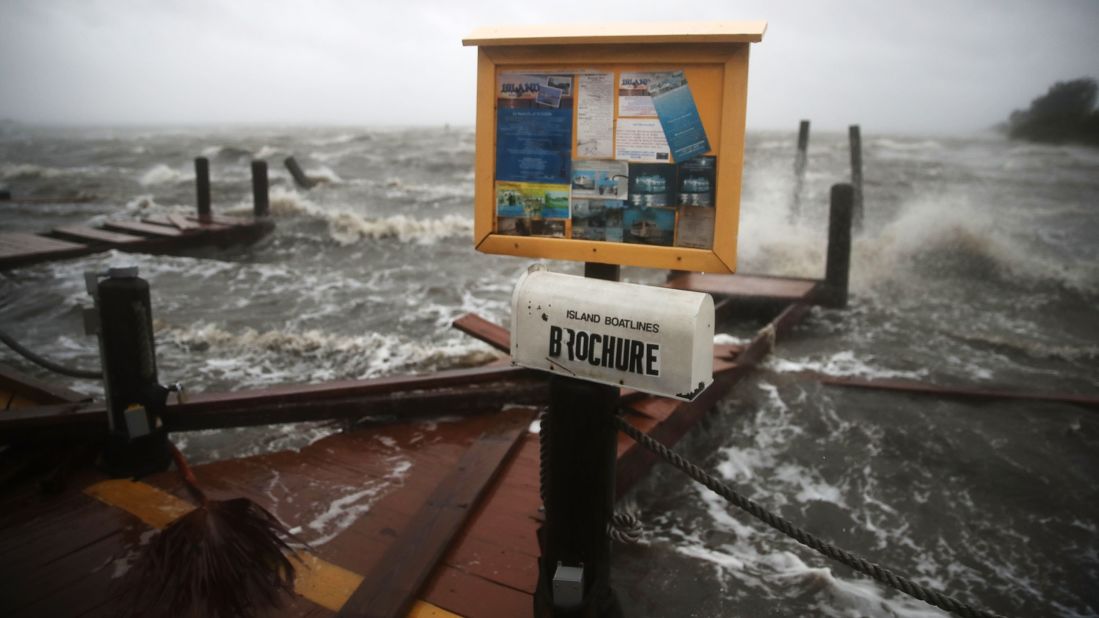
(696, 227)
(678, 115)
(600, 179)
(534, 128)
(641, 139)
(595, 116)
(633, 94)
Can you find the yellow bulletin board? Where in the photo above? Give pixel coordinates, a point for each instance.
(615, 144)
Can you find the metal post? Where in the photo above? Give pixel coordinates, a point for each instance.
(574, 570)
(855, 138)
(202, 187)
(261, 205)
(800, 163)
(838, 265)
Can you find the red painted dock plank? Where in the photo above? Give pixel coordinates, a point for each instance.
(184, 223)
(479, 328)
(775, 289)
(390, 588)
(17, 248)
(94, 235)
(224, 219)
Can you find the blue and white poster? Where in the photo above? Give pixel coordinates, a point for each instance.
(534, 128)
(678, 116)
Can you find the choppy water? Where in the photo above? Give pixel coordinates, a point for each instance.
(978, 266)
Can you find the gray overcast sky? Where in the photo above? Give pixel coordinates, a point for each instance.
(916, 67)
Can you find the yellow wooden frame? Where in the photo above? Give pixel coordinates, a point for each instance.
(722, 104)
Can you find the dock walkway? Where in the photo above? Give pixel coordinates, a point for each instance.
(434, 516)
(164, 234)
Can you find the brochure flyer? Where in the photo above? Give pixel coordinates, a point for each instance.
(601, 179)
(697, 181)
(640, 139)
(633, 94)
(595, 116)
(652, 184)
(597, 219)
(695, 228)
(649, 226)
(671, 96)
(517, 226)
(613, 218)
(532, 200)
(534, 128)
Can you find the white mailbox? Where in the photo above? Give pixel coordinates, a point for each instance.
(651, 339)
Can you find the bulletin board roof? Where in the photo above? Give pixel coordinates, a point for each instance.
(657, 32)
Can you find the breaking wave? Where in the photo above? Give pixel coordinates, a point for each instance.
(253, 358)
(31, 171)
(844, 363)
(950, 235)
(348, 228)
(161, 174)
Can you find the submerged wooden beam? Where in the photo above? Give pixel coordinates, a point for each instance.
(960, 392)
(446, 392)
(404, 405)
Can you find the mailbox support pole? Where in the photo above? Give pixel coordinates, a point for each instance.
(574, 569)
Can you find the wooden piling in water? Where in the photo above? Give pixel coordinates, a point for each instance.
(261, 204)
(202, 187)
(855, 138)
(838, 266)
(800, 163)
(295, 170)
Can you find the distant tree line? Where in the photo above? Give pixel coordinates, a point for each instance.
(1064, 114)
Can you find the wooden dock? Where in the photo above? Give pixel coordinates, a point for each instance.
(428, 506)
(166, 234)
(428, 516)
(160, 234)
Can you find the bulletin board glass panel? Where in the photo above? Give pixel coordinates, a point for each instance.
(623, 154)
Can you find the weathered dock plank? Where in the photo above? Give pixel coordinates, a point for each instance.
(481, 329)
(93, 235)
(145, 229)
(755, 287)
(20, 248)
(391, 587)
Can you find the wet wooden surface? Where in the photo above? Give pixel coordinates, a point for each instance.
(91, 235)
(755, 287)
(355, 496)
(159, 234)
(20, 248)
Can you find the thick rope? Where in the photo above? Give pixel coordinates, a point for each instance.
(861, 565)
(625, 528)
(48, 364)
